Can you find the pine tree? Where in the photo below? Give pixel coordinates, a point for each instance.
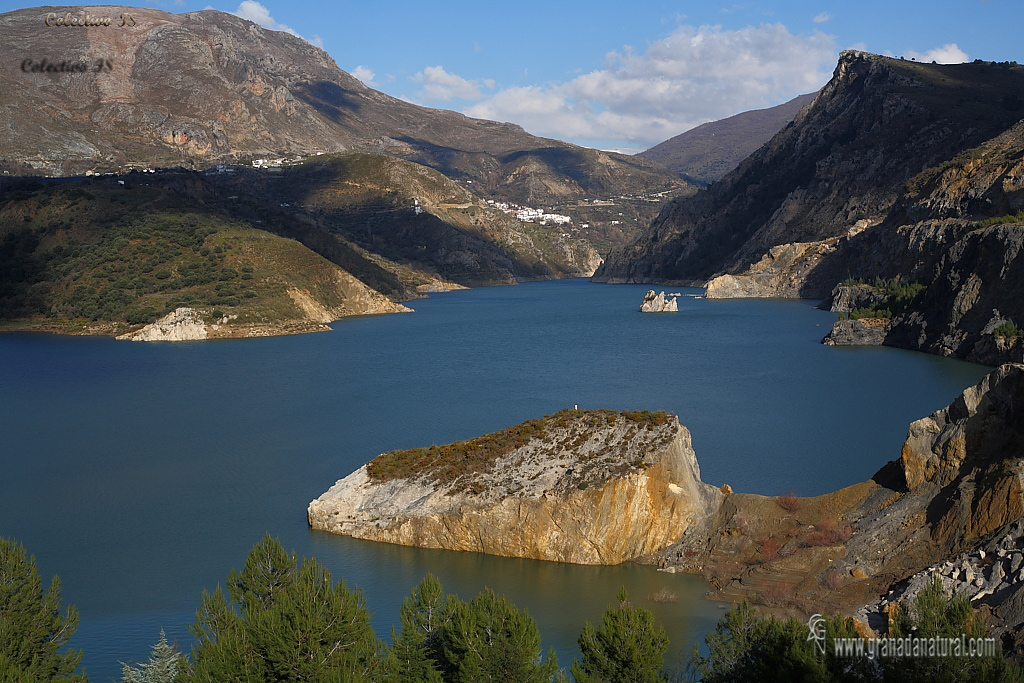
(283, 624)
(268, 572)
(165, 663)
(32, 629)
(936, 614)
(746, 647)
(416, 650)
(629, 647)
(489, 639)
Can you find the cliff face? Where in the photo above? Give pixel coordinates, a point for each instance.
(786, 271)
(958, 230)
(876, 125)
(956, 489)
(591, 490)
(972, 451)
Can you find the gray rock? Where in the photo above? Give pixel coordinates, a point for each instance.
(657, 303)
(862, 332)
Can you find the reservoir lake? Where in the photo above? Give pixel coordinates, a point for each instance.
(142, 473)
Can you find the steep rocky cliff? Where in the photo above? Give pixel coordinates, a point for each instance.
(958, 231)
(587, 487)
(876, 125)
(955, 489)
(205, 87)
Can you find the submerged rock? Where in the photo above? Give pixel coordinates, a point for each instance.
(586, 487)
(657, 303)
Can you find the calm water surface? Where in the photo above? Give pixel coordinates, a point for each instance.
(142, 473)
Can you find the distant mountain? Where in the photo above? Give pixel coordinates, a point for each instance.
(203, 87)
(704, 154)
(899, 192)
(878, 123)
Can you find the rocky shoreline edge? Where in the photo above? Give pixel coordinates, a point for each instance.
(603, 487)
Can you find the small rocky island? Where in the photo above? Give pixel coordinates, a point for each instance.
(658, 303)
(579, 486)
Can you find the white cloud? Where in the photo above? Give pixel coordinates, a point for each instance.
(441, 86)
(364, 74)
(258, 14)
(318, 41)
(822, 18)
(950, 53)
(692, 76)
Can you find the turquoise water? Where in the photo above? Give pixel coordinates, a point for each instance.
(142, 473)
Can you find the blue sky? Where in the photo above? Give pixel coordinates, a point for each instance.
(616, 74)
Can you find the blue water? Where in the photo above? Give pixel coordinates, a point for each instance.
(142, 473)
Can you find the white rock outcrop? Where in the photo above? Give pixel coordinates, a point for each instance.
(657, 303)
(590, 490)
(182, 324)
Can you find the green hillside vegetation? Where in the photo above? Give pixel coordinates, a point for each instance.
(1008, 219)
(1009, 330)
(92, 252)
(82, 253)
(899, 297)
(446, 464)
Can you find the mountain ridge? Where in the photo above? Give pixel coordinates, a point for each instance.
(207, 87)
(878, 123)
(704, 154)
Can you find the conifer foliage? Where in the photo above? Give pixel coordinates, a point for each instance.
(284, 622)
(444, 639)
(164, 666)
(32, 628)
(417, 649)
(490, 639)
(629, 647)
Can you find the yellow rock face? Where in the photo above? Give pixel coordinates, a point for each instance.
(643, 510)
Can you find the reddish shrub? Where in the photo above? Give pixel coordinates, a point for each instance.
(830, 533)
(789, 501)
(743, 523)
(776, 595)
(817, 538)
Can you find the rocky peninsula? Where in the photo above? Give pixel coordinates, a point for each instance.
(602, 487)
(579, 486)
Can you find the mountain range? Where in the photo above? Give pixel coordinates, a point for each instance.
(209, 87)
